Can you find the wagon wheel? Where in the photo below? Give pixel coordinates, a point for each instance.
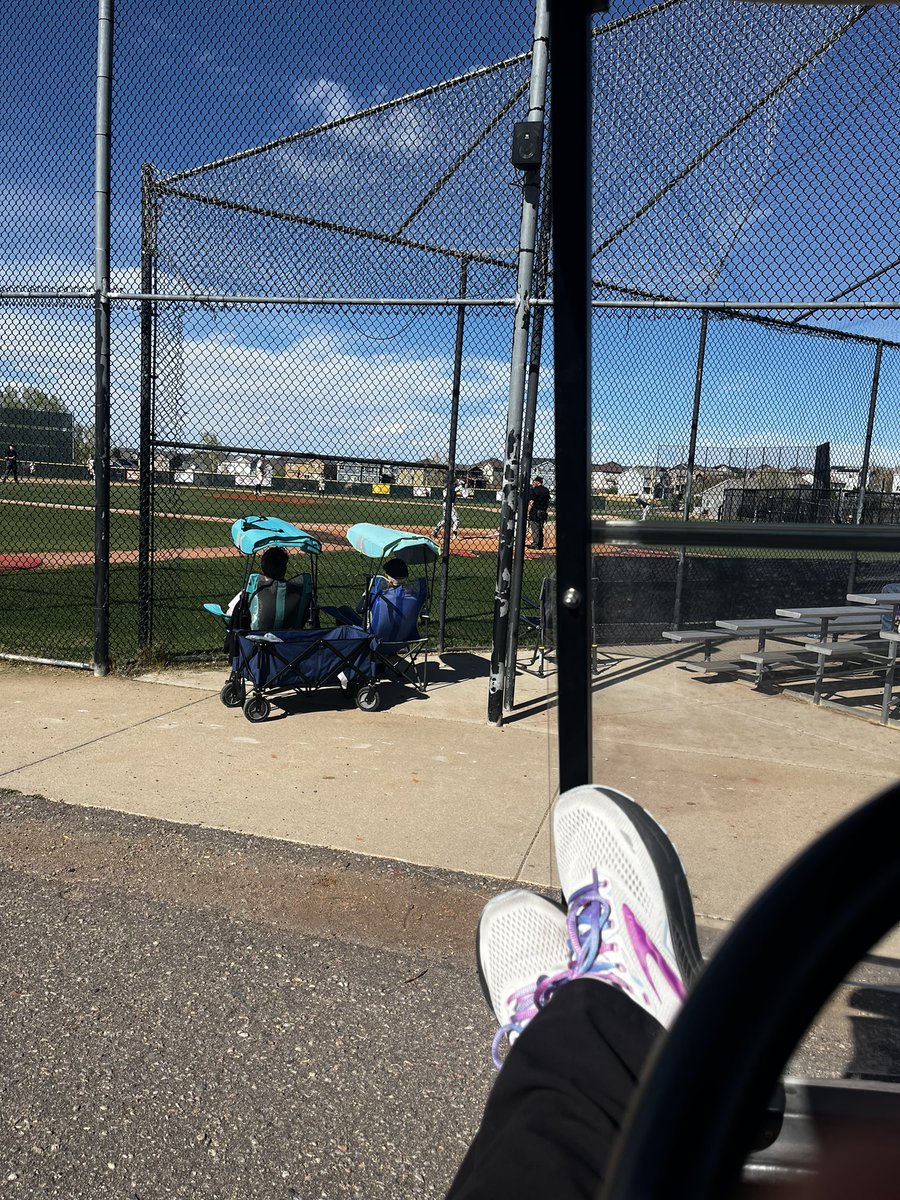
(232, 694)
(368, 698)
(699, 1105)
(257, 708)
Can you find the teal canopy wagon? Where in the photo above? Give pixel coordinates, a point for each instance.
(271, 649)
(392, 609)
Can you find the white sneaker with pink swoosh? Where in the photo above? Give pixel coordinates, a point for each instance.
(630, 917)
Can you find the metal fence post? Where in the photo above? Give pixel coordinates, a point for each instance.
(689, 481)
(864, 469)
(534, 373)
(449, 498)
(527, 236)
(102, 333)
(145, 452)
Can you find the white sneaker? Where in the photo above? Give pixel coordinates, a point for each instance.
(522, 954)
(631, 918)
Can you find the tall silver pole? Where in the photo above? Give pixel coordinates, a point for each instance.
(517, 376)
(534, 370)
(864, 469)
(689, 481)
(147, 431)
(450, 482)
(102, 139)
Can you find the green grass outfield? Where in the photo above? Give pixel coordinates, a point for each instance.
(49, 612)
(27, 527)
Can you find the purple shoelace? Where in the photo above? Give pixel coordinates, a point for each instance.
(587, 917)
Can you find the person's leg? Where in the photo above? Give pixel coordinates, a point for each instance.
(552, 1118)
(535, 530)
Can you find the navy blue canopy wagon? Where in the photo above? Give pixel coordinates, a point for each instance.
(391, 612)
(271, 649)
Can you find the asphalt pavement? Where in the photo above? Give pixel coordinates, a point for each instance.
(193, 1013)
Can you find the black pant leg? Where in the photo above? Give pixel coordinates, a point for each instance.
(556, 1109)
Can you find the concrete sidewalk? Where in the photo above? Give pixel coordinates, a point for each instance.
(423, 780)
(741, 780)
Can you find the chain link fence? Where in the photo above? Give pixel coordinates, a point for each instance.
(320, 255)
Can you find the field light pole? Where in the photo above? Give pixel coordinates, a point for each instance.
(537, 93)
(102, 137)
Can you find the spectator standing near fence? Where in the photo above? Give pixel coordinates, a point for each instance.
(537, 512)
(12, 464)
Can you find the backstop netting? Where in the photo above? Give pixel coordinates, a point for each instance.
(729, 142)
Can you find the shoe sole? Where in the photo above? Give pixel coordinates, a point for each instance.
(670, 873)
(495, 909)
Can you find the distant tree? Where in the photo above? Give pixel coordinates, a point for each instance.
(14, 396)
(211, 459)
(83, 443)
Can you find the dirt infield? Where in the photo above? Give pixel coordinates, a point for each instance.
(19, 562)
(54, 560)
(468, 543)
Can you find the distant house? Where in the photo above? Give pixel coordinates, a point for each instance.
(712, 499)
(428, 473)
(842, 479)
(491, 470)
(678, 477)
(634, 481)
(605, 476)
(304, 468)
(546, 468)
(845, 478)
(246, 469)
(471, 478)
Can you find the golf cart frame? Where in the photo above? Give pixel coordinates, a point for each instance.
(704, 1099)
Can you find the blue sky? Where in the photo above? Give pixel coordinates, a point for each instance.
(818, 170)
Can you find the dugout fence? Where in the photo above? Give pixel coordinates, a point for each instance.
(326, 298)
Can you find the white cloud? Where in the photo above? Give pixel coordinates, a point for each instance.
(325, 100)
(316, 394)
(397, 427)
(408, 128)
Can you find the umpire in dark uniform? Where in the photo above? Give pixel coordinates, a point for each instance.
(12, 464)
(537, 512)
